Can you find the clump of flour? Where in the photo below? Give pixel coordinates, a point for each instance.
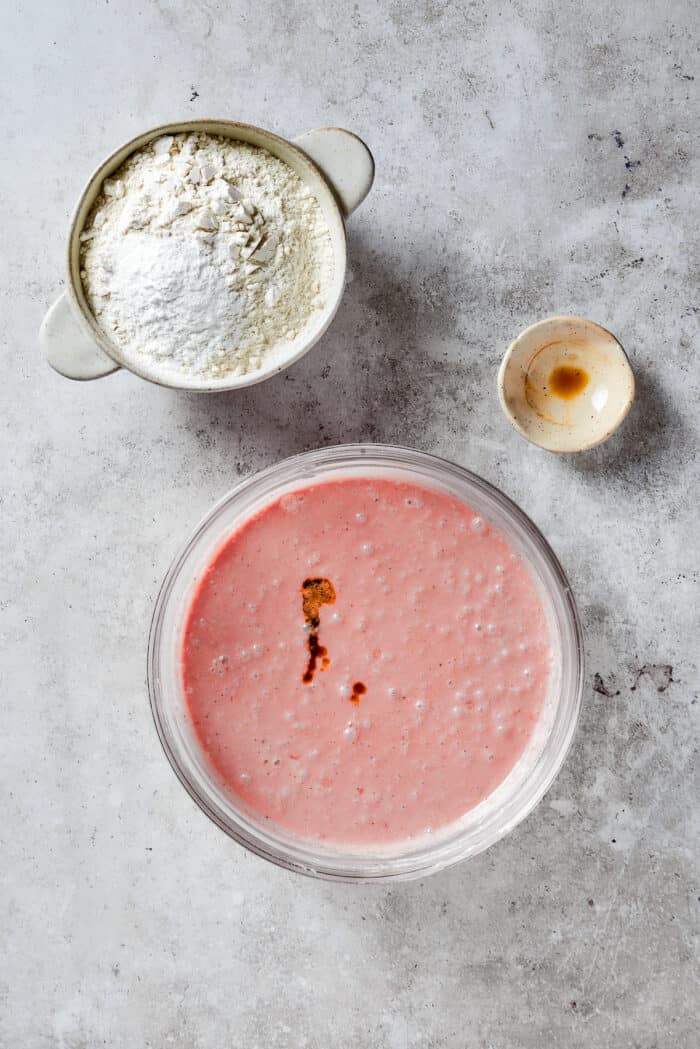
(206, 256)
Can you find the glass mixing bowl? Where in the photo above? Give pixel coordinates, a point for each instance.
(481, 826)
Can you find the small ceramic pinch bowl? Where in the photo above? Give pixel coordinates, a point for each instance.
(566, 384)
(333, 163)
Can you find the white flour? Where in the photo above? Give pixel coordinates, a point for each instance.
(206, 256)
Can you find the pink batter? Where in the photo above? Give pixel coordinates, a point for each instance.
(430, 669)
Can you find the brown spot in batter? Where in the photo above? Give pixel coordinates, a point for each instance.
(358, 689)
(315, 593)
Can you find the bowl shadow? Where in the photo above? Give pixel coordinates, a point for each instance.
(651, 434)
(375, 376)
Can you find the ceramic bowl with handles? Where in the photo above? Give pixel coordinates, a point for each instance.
(334, 164)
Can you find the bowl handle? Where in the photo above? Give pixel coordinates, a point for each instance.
(344, 160)
(67, 349)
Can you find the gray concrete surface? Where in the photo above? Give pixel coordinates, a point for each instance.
(532, 158)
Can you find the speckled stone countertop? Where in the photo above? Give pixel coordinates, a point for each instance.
(531, 160)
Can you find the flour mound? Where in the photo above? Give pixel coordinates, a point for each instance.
(205, 256)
